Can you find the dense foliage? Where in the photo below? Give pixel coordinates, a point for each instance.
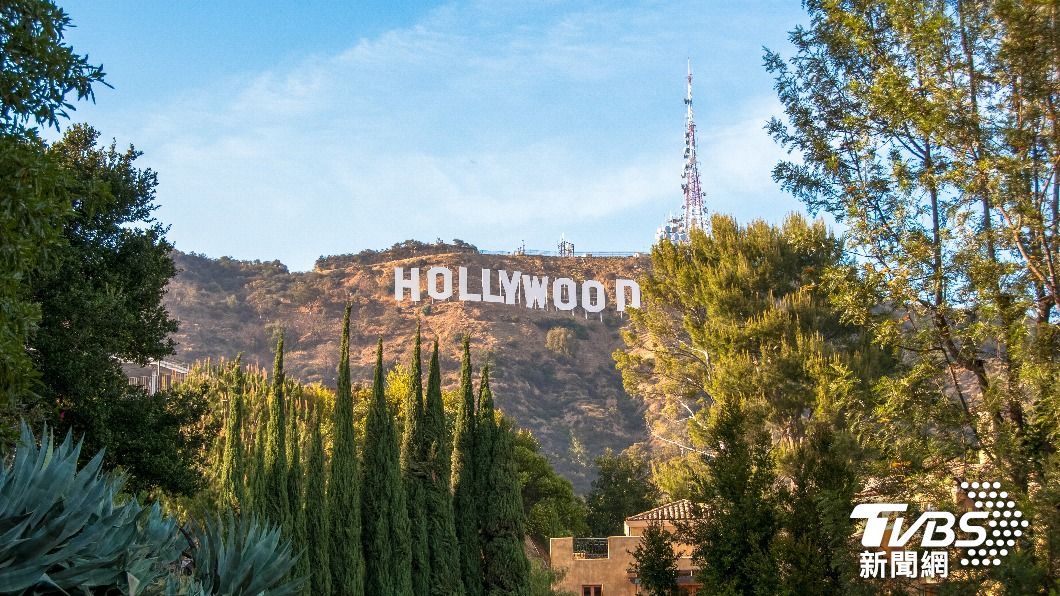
(39, 69)
(738, 331)
(552, 508)
(398, 490)
(930, 130)
(110, 274)
(413, 473)
(623, 487)
(37, 74)
(344, 496)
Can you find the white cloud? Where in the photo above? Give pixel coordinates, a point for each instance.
(737, 161)
(475, 122)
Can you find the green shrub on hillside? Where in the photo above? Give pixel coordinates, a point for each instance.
(560, 340)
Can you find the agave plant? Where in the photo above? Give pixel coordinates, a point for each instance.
(64, 530)
(239, 556)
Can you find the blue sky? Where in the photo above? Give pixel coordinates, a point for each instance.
(290, 130)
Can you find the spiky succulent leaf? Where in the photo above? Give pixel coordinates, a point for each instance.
(64, 529)
(244, 556)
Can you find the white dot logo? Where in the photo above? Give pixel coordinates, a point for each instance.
(1004, 523)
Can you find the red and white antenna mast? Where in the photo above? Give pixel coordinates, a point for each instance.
(694, 214)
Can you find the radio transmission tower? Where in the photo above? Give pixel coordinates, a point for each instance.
(691, 186)
(678, 229)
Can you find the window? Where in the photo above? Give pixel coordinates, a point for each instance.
(591, 591)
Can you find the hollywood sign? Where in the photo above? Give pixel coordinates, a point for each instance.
(512, 288)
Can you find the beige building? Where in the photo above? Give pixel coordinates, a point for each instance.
(603, 566)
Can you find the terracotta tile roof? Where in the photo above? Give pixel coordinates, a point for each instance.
(677, 510)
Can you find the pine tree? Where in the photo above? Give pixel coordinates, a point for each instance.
(232, 467)
(384, 526)
(466, 507)
(732, 545)
(277, 504)
(295, 480)
(441, 533)
(655, 562)
(486, 428)
(505, 568)
(316, 513)
(780, 363)
(344, 499)
(413, 455)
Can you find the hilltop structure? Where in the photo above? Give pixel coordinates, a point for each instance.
(678, 228)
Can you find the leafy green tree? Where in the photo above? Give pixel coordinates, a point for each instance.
(344, 498)
(551, 507)
(815, 546)
(109, 277)
(39, 69)
(232, 467)
(171, 455)
(385, 523)
(30, 231)
(466, 504)
(442, 545)
(505, 568)
(414, 477)
(655, 562)
(277, 501)
(623, 487)
(929, 130)
(561, 340)
(37, 74)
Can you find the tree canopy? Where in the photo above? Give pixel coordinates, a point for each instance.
(930, 130)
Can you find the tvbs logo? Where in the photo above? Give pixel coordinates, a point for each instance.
(985, 534)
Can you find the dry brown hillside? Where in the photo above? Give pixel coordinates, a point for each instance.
(568, 393)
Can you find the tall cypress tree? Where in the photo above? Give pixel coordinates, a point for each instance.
(277, 504)
(295, 481)
(466, 507)
(255, 493)
(442, 546)
(344, 499)
(413, 454)
(486, 428)
(385, 522)
(316, 513)
(232, 467)
(506, 570)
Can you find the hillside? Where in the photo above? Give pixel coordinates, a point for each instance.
(569, 396)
